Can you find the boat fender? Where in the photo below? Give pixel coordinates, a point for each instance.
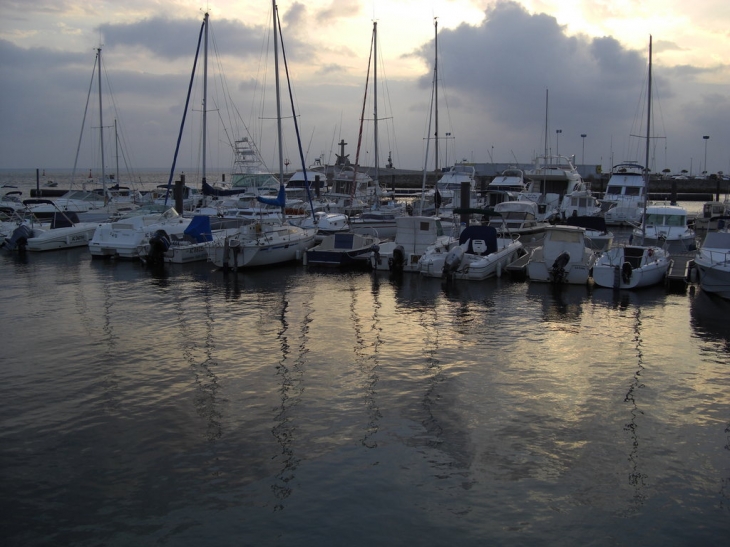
(375, 250)
(626, 271)
(399, 258)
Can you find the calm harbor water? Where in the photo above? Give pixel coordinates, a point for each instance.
(295, 407)
(291, 407)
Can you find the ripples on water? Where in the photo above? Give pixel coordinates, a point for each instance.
(191, 407)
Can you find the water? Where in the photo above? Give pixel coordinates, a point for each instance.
(288, 407)
(192, 407)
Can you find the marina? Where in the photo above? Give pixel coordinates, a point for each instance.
(289, 405)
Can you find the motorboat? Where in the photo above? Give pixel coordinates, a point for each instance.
(714, 214)
(623, 200)
(128, 236)
(580, 203)
(64, 232)
(598, 236)
(261, 244)
(481, 254)
(343, 250)
(631, 267)
(666, 224)
(562, 258)
(518, 217)
(446, 195)
(506, 186)
(414, 236)
(712, 263)
(551, 178)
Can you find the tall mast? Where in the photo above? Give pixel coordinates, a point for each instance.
(436, 92)
(101, 128)
(278, 94)
(648, 136)
(375, 98)
(205, 93)
(116, 149)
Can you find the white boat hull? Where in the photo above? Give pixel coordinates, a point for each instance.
(235, 252)
(631, 267)
(62, 238)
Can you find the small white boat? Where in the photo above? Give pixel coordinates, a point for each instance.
(414, 236)
(64, 232)
(479, 255)
(712, 262)
(714, 214)
(343, 250)
(128, 236)
(261, 244)
(631, 267)
(666, 223)
(518, 218)
(562, 258)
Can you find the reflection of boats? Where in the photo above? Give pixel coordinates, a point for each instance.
(562, 258)
(560, 303)
(708, 316)
(631, 267)
(666, 223)
(479, 255)
(623, 201)
(712, 262)
(343, 250)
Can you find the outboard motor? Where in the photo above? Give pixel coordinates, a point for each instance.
(398, 260)
(159, 245)
(19, 238)
(558, 269)
(626, 271)
(453, 260)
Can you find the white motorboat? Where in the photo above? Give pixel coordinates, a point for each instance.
(505, 187)
(580, 203)
(625, 195)
(712, 263)
(562, 258)
(413, 237)
(714, 214)
(128, 236)
(552, 178)
(665, 224)
(481, 254)
(348, 250)
(631, 267)
(518, 218)
(64, 232)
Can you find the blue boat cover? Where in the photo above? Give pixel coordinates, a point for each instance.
(199, 229)
(486, 233)
(279, 200)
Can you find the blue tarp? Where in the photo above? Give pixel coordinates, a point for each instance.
(199, 229)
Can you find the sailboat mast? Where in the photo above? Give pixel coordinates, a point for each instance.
(116, 149)
(375, 98)
(278, 95)
(648, 136)
(436, 92)
(101, 128)
(205, 94)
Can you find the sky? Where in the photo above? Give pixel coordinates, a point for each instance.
(509, 74)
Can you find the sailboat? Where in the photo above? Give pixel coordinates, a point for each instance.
(379, 218)
(634, 266)
(264, 243)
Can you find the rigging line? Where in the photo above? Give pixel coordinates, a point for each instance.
(294, 116)
(83, 122)
(185, 112)
(362, 117)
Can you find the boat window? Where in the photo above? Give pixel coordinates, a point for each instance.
(675, 220)
(614, 190)
(566, 237)
(633, 191)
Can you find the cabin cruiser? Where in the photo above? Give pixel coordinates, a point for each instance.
(563, 257)
(666, 224)
(623, 200)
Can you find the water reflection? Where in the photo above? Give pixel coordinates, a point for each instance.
(709, 318)
(560, 303)
(637, 478)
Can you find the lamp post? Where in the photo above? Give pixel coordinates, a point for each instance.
(583, 137)
(706, 138)
(557, 141)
